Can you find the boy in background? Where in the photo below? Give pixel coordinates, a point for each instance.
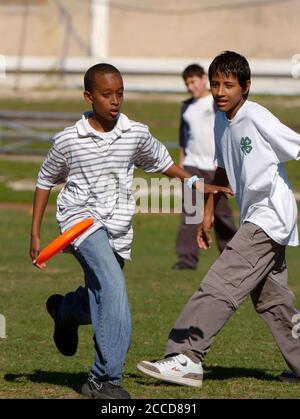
(197, 150)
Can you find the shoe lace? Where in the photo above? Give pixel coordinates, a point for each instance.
(168, 360)
(93, 380)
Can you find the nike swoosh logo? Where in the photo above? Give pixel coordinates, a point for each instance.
(184, 364)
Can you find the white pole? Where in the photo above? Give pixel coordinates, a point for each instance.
(99, 28)
(2, 327)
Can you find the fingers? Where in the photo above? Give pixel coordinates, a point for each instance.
(200, 237)
(204, 239)
(229, 193)
(208, 239)
(219, 189)
(34, 254)
(225, 190)
(216, 189)
(202, 245)
(200, 241)
(39, 266)
(35, 247)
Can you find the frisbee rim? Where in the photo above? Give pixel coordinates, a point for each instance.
(63, 240)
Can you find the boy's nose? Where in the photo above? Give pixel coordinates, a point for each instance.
(114, 100)
(220, 91)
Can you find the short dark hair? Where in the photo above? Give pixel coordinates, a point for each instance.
(229, 62)
(102, 68)
(193, 70)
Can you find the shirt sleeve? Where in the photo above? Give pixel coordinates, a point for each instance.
(218, 161)
(152, 155)
(53, 170)
(183, 129)
(284, 141)
(218, 158)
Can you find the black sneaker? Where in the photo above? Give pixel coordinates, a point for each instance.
(289, 377)
(96, 389)
(179, 266)
(66, 340)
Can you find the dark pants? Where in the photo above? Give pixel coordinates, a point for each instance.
(186, 244)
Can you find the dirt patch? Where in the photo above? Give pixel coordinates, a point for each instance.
(22, 185)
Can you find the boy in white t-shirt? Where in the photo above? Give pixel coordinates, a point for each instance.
(197, 151)
(252, 146)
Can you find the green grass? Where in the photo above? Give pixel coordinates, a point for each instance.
(243, 362)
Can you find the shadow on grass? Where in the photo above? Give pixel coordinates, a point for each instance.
(213, 373)
(66, 379)
(75, 380)
(224, 373)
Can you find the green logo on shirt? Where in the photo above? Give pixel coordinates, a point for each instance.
(246, 146)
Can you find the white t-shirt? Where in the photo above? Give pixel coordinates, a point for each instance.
(200, 150)
(105, 135)
(252, 147)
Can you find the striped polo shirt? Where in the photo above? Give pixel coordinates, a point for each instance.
(97, 169)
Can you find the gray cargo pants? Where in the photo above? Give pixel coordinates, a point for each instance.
(252, 263)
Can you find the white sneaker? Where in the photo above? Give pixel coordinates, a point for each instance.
(178, 369)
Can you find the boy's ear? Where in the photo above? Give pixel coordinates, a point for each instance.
(88, 97)
(247, 87)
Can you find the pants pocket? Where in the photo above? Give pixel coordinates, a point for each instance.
(238, 259)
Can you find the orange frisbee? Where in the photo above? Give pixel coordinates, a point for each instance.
(63, 240)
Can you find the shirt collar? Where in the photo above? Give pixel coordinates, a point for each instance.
(238, 115)
(123, 124)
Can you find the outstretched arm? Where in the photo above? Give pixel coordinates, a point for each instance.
(175, 171)
(40, 201)
(52, 172)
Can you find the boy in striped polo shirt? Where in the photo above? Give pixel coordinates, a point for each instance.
(96, 159)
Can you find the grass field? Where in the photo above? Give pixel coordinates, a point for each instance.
(244, 360)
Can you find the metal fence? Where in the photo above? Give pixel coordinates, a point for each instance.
(31, 132)
(28, 132)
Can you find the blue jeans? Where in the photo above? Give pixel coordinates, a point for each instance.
(103, 303)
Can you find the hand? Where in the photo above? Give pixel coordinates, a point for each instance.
(217, 189)
(204, 238)
(35, 247)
